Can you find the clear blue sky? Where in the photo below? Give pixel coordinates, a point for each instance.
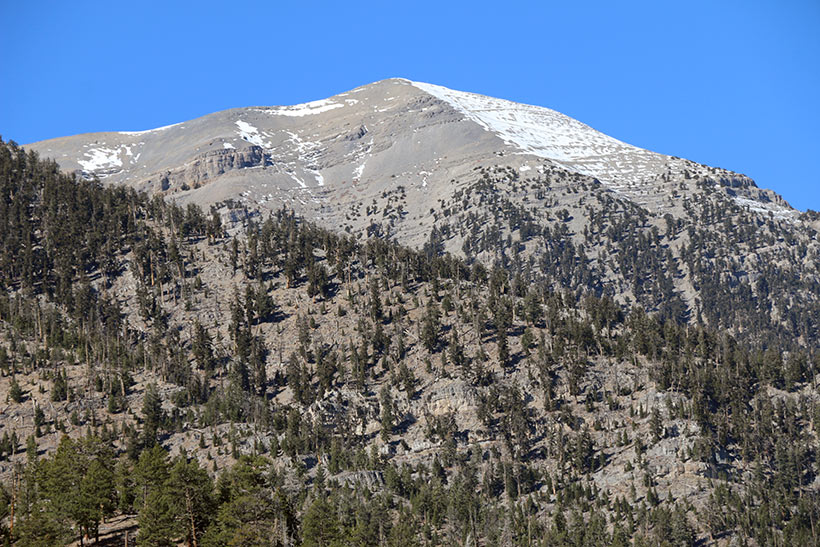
(733, 84)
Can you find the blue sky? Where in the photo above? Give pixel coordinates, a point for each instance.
(733, 84)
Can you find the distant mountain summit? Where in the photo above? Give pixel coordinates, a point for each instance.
(413, 132)
(490, 179)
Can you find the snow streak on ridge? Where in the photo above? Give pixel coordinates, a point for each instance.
(163, 128)
(552, 135)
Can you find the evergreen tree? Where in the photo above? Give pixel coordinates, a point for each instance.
(320, 526)
(376, 313)
(97, 496)
(15, 391)
(189, 488)
(202, 348)
(455, 352)
(152, 415)
(59, 391)
(158, 526)
(150, 474)
(430, 326)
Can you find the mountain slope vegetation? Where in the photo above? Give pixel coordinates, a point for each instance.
(225, 378)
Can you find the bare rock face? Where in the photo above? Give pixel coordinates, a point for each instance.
(371, 480)
(357, 134)
(448, 396)
(209, 167)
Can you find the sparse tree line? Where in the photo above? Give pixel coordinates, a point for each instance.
(299, 474)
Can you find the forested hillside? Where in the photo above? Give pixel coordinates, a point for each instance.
(501, 183)
(172, 375)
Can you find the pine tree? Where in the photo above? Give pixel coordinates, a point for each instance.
(59, 478)
(503, 349)
(190, 490)
(430, 326)
(59, 391)
(455, 352)
(152, 415)
(656, 425)
(40, 527)
(15, 391)
(257, 364)
(376, 313)
(96, 497)
(320, 526)
(150, 473)
(214, 226)
(264, 304)
(407, 380)
(157, 520)
(202, 348)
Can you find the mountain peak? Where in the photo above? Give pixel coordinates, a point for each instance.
(549, 134)
(416, 134)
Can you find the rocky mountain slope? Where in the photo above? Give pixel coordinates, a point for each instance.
(495, 181)
(403, 315)
(318, 156)
(288, 385)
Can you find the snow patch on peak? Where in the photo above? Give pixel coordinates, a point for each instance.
(251, 134)
(778, 211)
(357, 172)
(305, 109)
(549, 134)
(163, 128)
(101, 158)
